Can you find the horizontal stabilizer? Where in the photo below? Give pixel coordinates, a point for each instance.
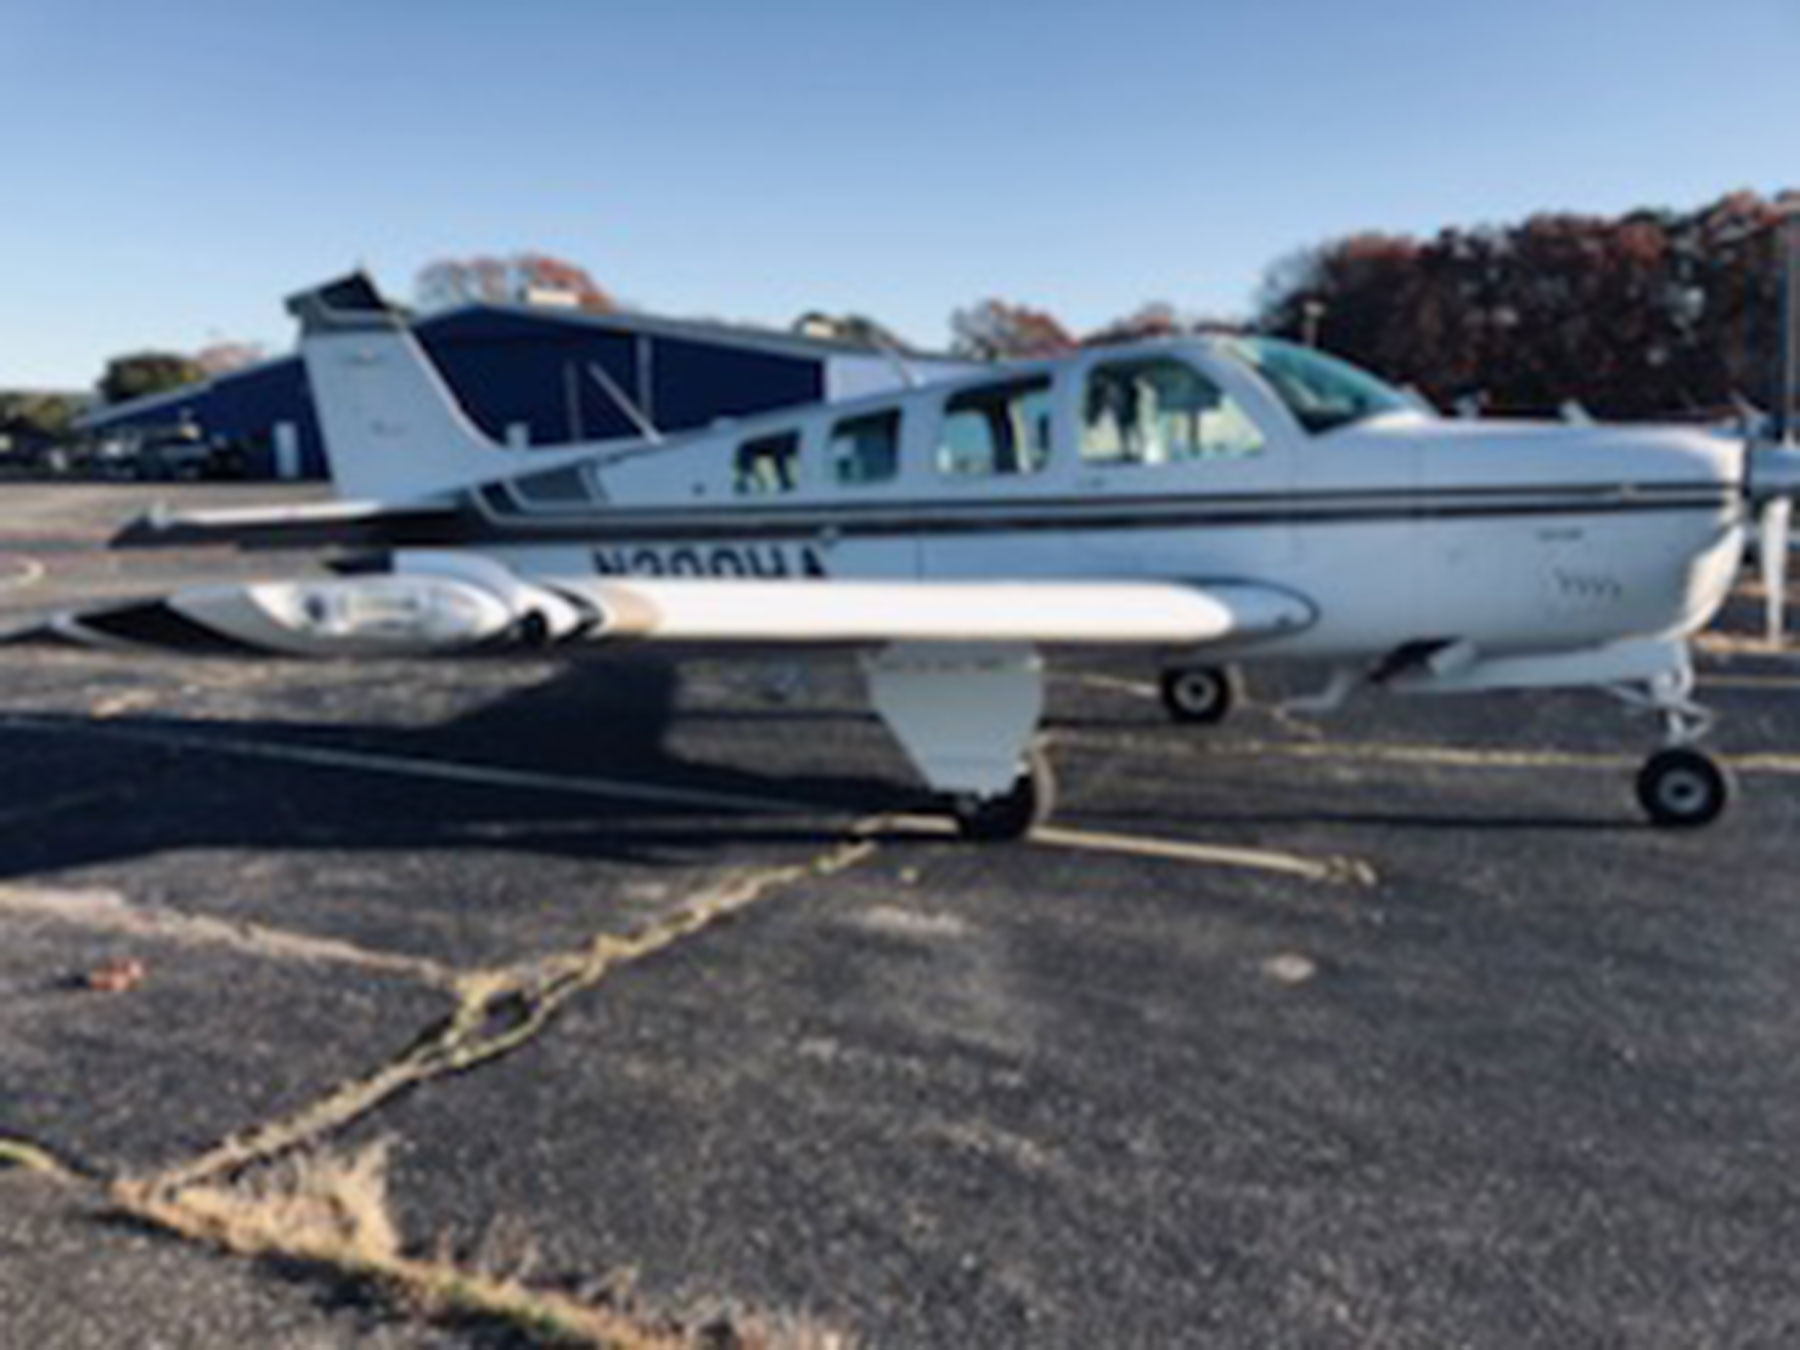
(317, 525)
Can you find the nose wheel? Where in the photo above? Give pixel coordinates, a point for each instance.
(1683, 787)
(1013, 813)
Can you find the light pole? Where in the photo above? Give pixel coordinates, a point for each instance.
(1788, 239)
(1311, 311)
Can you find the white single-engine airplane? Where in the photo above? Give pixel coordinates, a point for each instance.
(1218, 501)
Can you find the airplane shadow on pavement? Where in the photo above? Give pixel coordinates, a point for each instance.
(509, 775)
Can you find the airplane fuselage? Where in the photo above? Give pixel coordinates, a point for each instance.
(1397, 529)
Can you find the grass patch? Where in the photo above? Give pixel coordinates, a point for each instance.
(30, 1158)
(330, 1210)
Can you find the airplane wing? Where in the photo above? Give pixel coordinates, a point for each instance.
(456, 602)
(951, 666)
(445, 602)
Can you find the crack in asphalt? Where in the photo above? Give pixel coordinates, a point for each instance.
(497, 1012)
(30, 1157)
(1336, 869)
(109, 911)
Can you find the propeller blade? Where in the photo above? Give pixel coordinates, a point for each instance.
(1772, 548)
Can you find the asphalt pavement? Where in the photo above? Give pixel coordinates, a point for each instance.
(1397, 1028)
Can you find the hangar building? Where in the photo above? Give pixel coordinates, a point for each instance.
(527, 374)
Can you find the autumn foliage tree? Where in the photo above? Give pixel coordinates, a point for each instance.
(1648, 314)
(995, 330)
(221, 358)
(1157, 319)
(517, 279)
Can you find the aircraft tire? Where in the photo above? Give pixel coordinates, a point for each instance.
(1012, 814)
(1682, 788)
(1203, 695)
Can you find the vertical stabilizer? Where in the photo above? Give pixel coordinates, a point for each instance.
(393, 430)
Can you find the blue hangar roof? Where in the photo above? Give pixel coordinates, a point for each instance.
(523, 374)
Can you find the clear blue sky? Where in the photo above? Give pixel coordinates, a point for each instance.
(175, 168)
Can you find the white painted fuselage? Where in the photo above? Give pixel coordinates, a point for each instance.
(1399, 529)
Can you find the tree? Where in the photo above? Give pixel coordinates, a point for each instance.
(221, 358)
(33, 418)
(1651, 313)
(995, 330)
(143, 373)
(1156, 319)
(518, 279)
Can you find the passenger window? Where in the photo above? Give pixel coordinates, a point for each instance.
(998, 428)
(767, 465)
(1159, 411)
(866, 449)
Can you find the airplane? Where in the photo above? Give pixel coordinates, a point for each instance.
(1217, 501)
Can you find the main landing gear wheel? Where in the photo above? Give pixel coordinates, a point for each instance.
(1011, 815)
(1201, 694)
(1683, 787)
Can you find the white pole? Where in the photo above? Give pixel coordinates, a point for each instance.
(1790, 316)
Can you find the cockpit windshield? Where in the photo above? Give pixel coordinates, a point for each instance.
(1321, 391)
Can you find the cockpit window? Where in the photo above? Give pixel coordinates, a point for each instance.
(1158, 410)
(1321, 391)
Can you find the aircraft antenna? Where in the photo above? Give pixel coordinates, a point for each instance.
(639, 419)
(896, 357)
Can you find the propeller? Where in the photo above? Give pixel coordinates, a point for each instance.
(1772, 549)
(1772, 481)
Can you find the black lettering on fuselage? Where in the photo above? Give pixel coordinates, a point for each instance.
(761, 561)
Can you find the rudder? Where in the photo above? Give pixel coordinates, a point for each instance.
(393, 429)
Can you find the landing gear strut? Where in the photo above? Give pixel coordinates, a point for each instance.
(1680, 786)
(1200, 694)
(1012, 814)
